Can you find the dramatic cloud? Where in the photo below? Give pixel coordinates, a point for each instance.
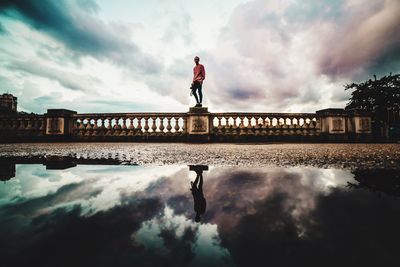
(299, 54)
(75, 25)
(263, 56)
(367, 37)
(68, 80)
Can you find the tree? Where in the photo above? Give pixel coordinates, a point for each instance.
(380, 96)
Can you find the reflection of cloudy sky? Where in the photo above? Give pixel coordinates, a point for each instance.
(145, 214)
(98, 56)
(108, 182)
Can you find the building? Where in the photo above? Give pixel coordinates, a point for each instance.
(8, 104)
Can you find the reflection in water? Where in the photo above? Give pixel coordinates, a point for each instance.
(197, 191)
(7, 170)
(132, 215)
(381, 180)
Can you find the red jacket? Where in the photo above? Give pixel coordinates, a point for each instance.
(199, 73)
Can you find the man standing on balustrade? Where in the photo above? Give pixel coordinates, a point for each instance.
(199, 74)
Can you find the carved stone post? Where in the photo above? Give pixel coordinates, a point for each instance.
(59, 123)
(334, 124)
(360, 128)
(198, 124)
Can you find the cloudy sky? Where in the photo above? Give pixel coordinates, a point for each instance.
(121, 55)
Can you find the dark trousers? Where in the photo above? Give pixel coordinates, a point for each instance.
(197, 86)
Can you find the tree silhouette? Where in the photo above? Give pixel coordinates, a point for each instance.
(380, 96)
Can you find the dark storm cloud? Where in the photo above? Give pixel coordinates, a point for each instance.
(74, 24)
(368, 37)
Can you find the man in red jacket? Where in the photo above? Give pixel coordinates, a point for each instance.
(199, 74)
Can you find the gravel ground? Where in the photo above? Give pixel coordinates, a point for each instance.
(347, 156)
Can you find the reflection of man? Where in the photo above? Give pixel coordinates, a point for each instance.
(197, 192)
(199, 74)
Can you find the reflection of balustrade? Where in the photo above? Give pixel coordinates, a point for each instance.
(130, 124)
(22, 125)
(265, 124)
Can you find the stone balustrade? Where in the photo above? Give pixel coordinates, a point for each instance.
(129, 124)
(264, 124)
(22, 125)
(196, 125)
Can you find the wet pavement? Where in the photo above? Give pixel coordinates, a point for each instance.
(344, 156)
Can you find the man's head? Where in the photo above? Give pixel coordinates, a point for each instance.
(196, 59)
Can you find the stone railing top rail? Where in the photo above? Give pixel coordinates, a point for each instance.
(263, 114)
(136, 114)
(21, 115)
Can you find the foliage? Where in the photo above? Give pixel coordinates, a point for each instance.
(377, 95)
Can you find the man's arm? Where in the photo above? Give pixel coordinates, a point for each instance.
(203, 72)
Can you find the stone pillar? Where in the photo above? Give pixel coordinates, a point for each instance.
(59, 123)
(360, 125)
(334, 124)
(198, 124)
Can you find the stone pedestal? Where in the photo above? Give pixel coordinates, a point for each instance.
(360, 125)
(360, 121)
(333, 121)
(59, 122)
(198, 124)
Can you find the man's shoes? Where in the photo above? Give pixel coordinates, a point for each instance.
(198, 105)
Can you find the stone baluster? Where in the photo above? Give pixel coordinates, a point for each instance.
(176, 125)
(257, 127)
(252, 127)
(21, 124)
(108, 130)
(122, 126)
(162, 127)
(102, 129)
(93, 126)
(146, 125)
(169, 127)
(139, 126)
(219, 125)
(95, 120)
(88, 128)
(246, 128)
(131, 128)
(29, 124)
(118, 127)
(235, 126)
(262, 125)
(153, 125)
(291, 126)
(14, 124)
